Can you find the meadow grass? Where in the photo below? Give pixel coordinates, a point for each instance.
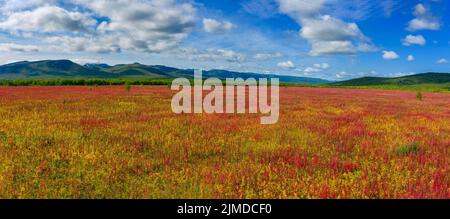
(107, 142)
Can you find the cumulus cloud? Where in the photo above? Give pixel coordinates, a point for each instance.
(47, 19)
(390, 55)
(411, 58)
(79, 44)
(322, 65)
(18, 5)
(326, 34)
(214, 26)
(314, 68)
(442, 61)
(212, 55)
(267, 56)
(414, 40)
(420, 10)
(341, 75)
(424, 20)
(135, 25)
(286, 65)
(12, 47)
(229, 55)
(301, 9)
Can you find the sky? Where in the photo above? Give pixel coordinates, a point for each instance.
(328, 39)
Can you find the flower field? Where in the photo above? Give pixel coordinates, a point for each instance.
(107, 142)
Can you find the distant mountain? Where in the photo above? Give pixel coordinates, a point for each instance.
(48, 68)
(426, 78)
(68, 69)
(283, 78)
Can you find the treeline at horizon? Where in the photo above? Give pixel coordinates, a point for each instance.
(82, 82)
(108, 82)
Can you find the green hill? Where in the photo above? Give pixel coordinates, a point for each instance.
(66, 69)
(426, 78)
(47, 69)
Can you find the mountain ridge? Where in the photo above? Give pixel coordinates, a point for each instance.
(49, 69)
(67, 69)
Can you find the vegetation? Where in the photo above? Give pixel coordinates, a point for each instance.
(105, 142)
(127, 86)
(427, 78)
(419, 96)
(85, 82)
(407, 149)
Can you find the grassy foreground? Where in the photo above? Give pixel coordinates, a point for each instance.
(107, 142)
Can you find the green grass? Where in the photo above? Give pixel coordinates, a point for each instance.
(425, 78)
(407, 149)
(441, 88)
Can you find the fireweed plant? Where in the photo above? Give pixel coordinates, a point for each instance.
(214, 101)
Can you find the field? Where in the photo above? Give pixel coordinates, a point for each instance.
(107, 142)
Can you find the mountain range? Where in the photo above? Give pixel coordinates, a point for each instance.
(66, 69)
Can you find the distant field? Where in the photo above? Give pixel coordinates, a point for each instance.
(105, 142)
(442, 88)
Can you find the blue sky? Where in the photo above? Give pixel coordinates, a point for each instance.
(329, 39)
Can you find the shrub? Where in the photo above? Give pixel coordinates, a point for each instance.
(407, 149)
(419, 96)
(3, 136)
(127, 87)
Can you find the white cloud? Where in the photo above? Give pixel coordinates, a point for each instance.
(390, 55)
(147, 26)
(365, 47)
(212, 55)
(327, 28)
(12, 47)
(267, 56)
(332, 47)
(322, 65)
(48, 19)
(341, 75)
(286, 65)
(135, 25)
(230, 55)
(18, 5)
(80, 44)
(423, 24)
(301, 9)
(424, 20)
(214, 26)
(420, 10)
(309, 70)
(442, 61)
(319, 67)
(411, 58)
(326, 34)
(414, 40)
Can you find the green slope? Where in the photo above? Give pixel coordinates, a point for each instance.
(426, 78)
(47, 69)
